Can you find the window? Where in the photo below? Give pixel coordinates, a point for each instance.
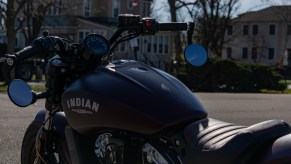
(87, 8)
(255, 29)
(228, 52)
(17, 40)
(129, 4)
(148, 43)
(155, 40)
(55, 9)
(289, 29)
(245, 53)
(3, 39)
(271, 53)
(245, 30)
(115, 8)
(83, 34)
(145, 9)
(272, 29)
(166, 44)
(254, 53)
(158, 44)
(289, 57)
(101, 32)
(28, 8)
(229, 30)
(122, 47)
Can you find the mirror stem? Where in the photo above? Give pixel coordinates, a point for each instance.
(41, 95)
(37, 96)
(190, 31)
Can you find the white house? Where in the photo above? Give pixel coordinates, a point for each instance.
(262, 36)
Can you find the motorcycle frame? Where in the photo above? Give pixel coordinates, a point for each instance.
(80, 146)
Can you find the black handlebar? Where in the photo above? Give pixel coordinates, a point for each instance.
(29, 51)
(41, 45)
(179, 27)
(146, 26)
(172, 26)
(133, 25)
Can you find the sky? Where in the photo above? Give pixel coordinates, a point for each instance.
(251, 5)
(245, 6)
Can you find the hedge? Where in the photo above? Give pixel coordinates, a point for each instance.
(231, 76)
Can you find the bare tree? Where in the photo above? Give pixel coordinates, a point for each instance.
(214, 19)
(10, 16)
(9, 22)
(34, 13)
(175, 6)
(177, 38)
(29, 14)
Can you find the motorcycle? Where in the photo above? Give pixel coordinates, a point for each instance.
(126, 112)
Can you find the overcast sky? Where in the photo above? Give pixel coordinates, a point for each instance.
(245, 6)
(251, 5)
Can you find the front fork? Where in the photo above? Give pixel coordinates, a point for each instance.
(45, 140)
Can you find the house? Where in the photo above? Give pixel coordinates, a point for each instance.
(262, 36)
(76, 19)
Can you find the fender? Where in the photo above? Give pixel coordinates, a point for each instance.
(60, 124)
(73, 142)
(60, 121)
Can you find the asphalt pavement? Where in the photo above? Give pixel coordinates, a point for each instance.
(13, 123)
(247, 109)
(244, 109)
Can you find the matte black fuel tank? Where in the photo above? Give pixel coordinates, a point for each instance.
(129, 95)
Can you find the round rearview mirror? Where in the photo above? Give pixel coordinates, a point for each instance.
(195, 55)
(20, 93)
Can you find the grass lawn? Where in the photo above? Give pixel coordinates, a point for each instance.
(40, 88)
(287, 91)
(34, 87)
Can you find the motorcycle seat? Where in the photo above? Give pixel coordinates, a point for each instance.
(213, 141)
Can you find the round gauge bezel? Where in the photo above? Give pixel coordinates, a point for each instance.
(103, 41)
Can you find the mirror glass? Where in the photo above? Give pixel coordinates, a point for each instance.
(20, 93)
(195, 55)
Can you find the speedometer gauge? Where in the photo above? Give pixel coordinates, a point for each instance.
(96, 45)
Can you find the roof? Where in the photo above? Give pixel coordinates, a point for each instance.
(61, 21)
(71, 21)
(269, 14)
(106, 21)
(53, 21)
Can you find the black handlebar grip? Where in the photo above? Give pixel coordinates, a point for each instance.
(172, 26)
(29, 51)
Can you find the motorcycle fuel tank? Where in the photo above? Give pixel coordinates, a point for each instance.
(130, 96)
